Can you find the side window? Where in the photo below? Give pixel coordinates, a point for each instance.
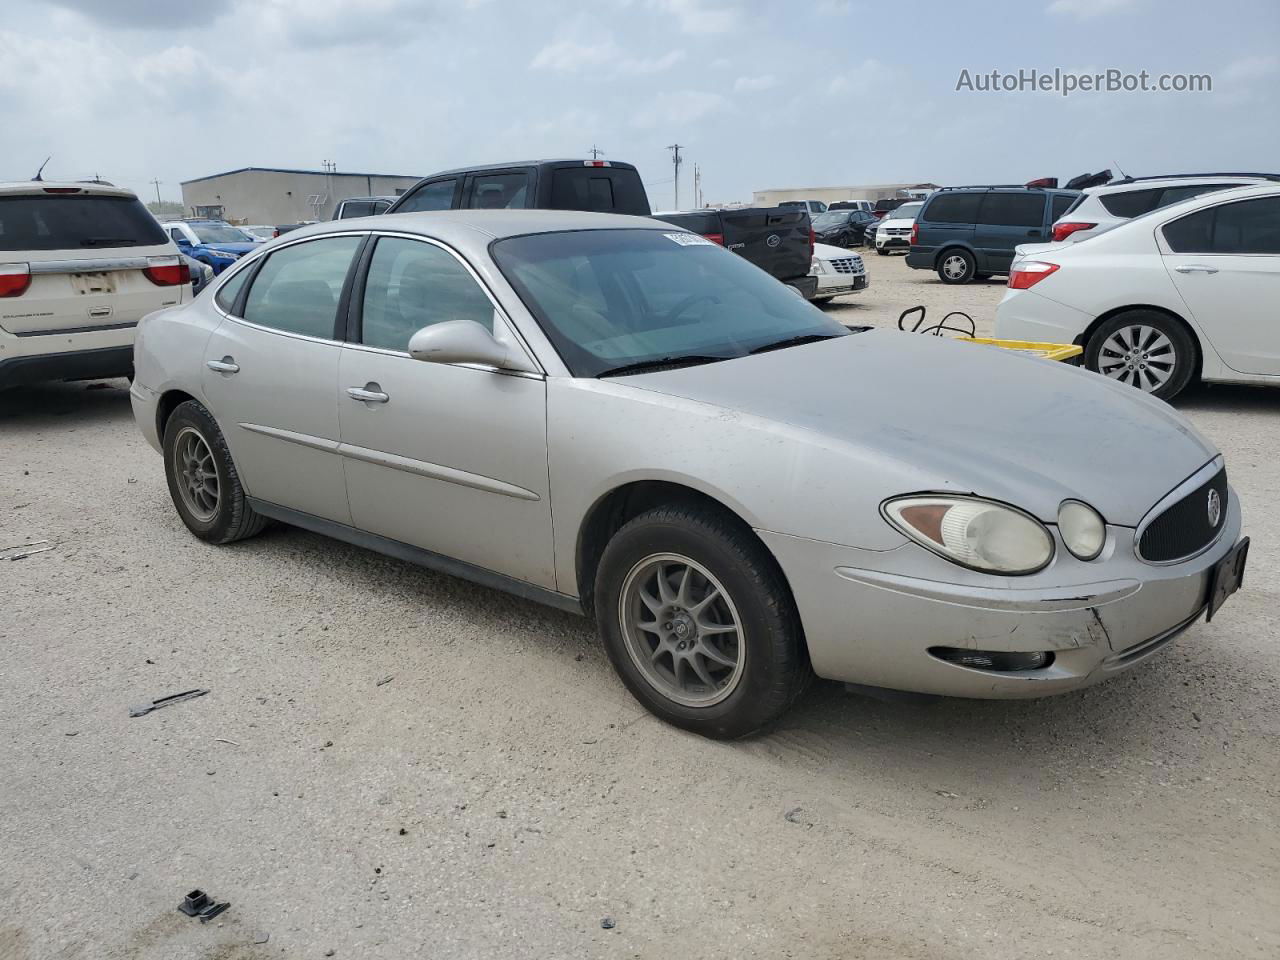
(1132, 203)
(230, 290)
(1062, 202)
(178, 236)
(499, 191)
(357, 208)
(1175, 194)
(437, 195)
(297, 289)
(1247, 227)
(1013, 209)
(413, 284)
(954, 208)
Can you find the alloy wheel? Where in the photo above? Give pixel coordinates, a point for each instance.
(196, 473)
(682, 630)
(1138, 355)
(955, 266)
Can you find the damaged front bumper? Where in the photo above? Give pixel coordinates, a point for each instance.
(881, 618)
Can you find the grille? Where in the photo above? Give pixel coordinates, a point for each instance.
(1184, 528)
(847, 265)
(898, 231)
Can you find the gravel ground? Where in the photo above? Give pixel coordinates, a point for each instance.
(501, 795)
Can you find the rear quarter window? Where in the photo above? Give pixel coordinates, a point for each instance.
(1131, 203)
(953, 208)
(600, 189)
(1064, 204)
(76, 222)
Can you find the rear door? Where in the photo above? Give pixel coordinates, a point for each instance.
(94, 262)
(499, 190)
(271, 374)
(594, 187)
(1007, 218)
(776, 239)
(1225, 262)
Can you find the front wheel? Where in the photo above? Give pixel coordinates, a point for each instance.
(956, 266)
(203, 481)
(698, 622)
(1145, 349)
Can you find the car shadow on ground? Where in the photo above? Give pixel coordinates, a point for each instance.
(46, 404)
(1227, 398)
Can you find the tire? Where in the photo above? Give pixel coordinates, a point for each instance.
(218, 513)
(1145, 349)
(882, 251)
(956, 266)
(762, 669)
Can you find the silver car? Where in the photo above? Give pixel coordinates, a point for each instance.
(620, 418)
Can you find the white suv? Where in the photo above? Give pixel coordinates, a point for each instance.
(80, 265)
(1099, 209)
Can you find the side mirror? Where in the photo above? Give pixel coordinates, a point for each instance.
(461, 341)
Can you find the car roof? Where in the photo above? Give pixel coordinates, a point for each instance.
(570, 161)
(1156, 183)
(36, 187)
(358, 199)
(463, 225)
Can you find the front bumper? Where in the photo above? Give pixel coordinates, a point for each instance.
(871, 617)
(893, 242)
(835, 284)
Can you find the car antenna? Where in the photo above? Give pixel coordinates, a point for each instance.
(1123, 175)
(37, 177)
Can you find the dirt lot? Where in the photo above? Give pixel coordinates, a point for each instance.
(501, 795)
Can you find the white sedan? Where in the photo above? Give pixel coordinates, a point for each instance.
(839, 271)
(1188, 292)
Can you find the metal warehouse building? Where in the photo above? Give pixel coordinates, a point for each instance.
(275, 196)
(871, 192)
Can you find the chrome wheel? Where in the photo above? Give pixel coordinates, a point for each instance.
(196, 474)
(955, 267)
(1138, 355)
(682, 630)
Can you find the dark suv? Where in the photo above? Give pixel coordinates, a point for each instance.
(968, 232)
(600, 185)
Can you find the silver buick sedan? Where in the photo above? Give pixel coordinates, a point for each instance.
(623, 419)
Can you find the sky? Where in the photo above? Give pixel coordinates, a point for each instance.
(760, 94)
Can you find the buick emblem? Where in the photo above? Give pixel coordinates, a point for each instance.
(1215, 508)
(773, 240)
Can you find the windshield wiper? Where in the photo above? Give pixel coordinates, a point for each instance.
(660, 363)
(796, 341)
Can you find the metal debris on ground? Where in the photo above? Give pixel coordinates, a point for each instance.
(608, 923)
(384, 680)
(24, 549)
(197, 903)
(225, 740)
(143, 709)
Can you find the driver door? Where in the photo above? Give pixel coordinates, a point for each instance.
(451, 458)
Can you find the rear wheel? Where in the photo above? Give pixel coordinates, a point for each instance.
(1145, 349)
(203, 482)
(698, 622)
(956, 266)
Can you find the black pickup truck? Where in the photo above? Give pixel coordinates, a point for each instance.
(778, 240)
(604, 186)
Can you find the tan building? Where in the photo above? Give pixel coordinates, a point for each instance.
(871, 192)
(273, 196)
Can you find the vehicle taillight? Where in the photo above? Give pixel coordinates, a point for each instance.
(1029, 273)
(1063, 230)
(715, 238)
(915, 234)
(275, 233)
(167, 271)
(14, 279)
(812, 239)
(595, 163)
(63, 190)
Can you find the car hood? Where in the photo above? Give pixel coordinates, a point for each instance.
(232, 247)
(898, 223)
(824, 251)
(939, 415)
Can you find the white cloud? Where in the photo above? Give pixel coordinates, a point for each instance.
(643, 65)
(566, 56)
(1089, 9)
(680, 107)
(747, 84)
(834, 7)
(860, 76)
(695, 16)
(1251, 68)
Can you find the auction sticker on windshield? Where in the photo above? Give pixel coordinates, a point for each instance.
(688, 239)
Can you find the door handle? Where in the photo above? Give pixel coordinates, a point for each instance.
(225, 365)
(1195, 268)
(369, 393)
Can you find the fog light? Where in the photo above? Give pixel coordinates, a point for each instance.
(1001, 661)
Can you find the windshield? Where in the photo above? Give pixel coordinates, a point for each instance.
(907, 211)
(613, 298)
(220, 233)
(75, 221)
(830, 219)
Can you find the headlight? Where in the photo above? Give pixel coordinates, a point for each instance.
(974, 533)
(1082, 529)
(817, 266)
(225, 254)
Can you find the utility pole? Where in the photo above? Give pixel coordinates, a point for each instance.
(595, 152)
(156, 183)
(697, 186)
(675, 163)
